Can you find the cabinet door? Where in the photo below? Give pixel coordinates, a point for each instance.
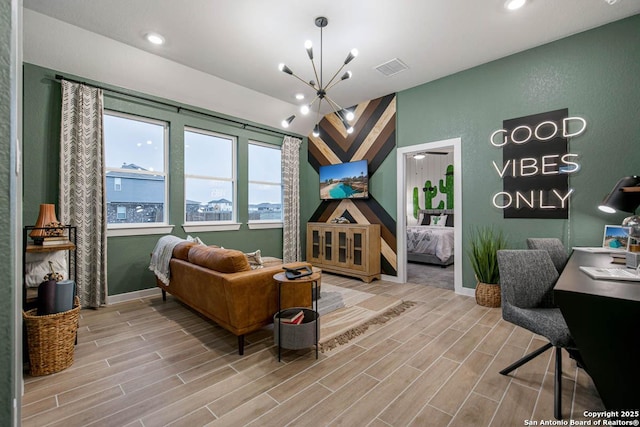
(342, 247)
(358, 247)
(316, 245)
(328, 245)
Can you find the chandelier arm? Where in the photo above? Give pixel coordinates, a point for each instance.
(333, 105)
(334, 83)
(305, 82)
(334, 76)
(315, 72)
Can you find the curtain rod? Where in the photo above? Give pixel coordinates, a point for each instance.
(177, 107)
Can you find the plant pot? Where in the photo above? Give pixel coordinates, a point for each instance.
(488, 295)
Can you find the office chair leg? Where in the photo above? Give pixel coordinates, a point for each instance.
(557, 404)
(526, 358)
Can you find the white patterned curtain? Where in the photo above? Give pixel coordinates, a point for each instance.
(82, 196)
(291, 196)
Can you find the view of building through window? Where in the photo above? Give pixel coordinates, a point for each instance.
(210, 174)
(135, 169)
(265, 182)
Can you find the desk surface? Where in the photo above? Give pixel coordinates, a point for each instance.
(604, 319)
(574, 280)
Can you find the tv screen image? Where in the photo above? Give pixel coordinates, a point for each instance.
(344, 181)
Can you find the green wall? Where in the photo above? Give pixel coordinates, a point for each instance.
(128, 257)
(8, 314)
(595, 74)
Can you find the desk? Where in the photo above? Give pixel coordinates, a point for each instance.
(604, 319)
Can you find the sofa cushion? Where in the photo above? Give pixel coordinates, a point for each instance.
(218, 259)
(181, 250)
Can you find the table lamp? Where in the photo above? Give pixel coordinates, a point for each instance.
(625, 197)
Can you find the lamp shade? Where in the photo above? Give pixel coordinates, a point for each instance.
(46, 217)
(620, 199)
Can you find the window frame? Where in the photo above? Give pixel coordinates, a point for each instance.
(203, 226)
(140, 228)
(266, 223)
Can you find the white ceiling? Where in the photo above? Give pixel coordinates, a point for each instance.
(242, 41)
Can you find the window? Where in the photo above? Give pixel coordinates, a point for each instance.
(265, 183)
(136, 181)
(121, 212)
(210, 177)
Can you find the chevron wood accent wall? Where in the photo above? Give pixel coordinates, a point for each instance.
(373, 139)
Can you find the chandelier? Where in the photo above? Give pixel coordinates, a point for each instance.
(320, 87)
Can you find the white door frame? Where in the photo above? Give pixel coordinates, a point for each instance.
(401, 222)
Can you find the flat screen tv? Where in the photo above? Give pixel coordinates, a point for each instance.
(344, 181)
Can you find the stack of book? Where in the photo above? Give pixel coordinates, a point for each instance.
(296, 319)
(52, 241)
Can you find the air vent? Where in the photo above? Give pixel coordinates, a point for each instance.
(392, 67)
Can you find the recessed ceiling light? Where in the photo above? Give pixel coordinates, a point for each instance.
(611, 2)
(514, 4)
(154, 38)
(299, 96)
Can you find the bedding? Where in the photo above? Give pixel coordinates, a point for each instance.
(431, 240)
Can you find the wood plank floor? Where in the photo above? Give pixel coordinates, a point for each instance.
(153, 363)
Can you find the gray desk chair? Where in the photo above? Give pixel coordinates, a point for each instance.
(526, 284)
(554, 247)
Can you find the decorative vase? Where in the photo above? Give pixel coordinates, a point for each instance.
(46, 216)
(488, 295)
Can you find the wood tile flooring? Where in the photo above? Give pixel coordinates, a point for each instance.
(151, 363)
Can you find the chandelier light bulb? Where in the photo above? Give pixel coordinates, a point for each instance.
(309, 46)
(350, 115)
(316, 131)
(286, 122)
(346, 75)
(350, 130)
(304, 109)
(351, 56)
(285, 69)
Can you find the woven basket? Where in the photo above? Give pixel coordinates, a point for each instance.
(51, 339)
(488, 295)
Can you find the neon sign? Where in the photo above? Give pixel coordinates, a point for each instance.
(536, 164)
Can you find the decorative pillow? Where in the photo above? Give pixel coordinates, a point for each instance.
(195, 239)
(449, 221)
(218, 259)
(420, 218)
(426, 219)
(254, 259)
(438, 220)
(37, 266)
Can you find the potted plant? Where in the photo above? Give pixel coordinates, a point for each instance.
(485, 243)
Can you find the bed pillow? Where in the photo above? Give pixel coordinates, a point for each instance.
(449, 221)
(438, 220)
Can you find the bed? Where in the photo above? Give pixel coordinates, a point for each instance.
(431, 241)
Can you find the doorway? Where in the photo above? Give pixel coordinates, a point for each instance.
(405, 207)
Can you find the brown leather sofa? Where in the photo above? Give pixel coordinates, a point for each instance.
(221, 285)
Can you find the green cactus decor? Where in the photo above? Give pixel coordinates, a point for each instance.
(429, 193)
(416, 202)
(447, 188)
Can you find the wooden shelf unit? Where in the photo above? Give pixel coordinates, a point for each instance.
(349, 249)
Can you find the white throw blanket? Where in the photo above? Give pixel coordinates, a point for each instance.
(162, 255)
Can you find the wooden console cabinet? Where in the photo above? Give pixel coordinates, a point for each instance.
(349, 249)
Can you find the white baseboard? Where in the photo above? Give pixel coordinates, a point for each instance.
(388, 278)
(469, 292)
(113, 299)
